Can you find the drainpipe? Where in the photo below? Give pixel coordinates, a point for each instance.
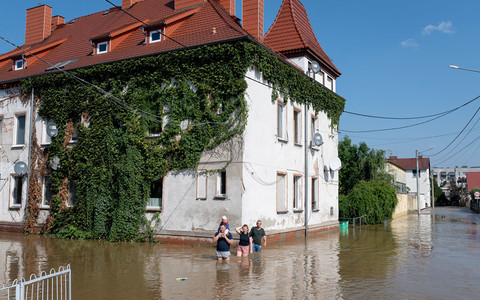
(306, 172)
(29, 152)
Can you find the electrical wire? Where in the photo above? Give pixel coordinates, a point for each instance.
(458, 134)
(411, 118)
(393, 128)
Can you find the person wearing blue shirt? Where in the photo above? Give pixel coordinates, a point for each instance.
(223, 240)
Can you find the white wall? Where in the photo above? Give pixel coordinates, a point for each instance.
(265, 155)
(424, 183)
(321, 76)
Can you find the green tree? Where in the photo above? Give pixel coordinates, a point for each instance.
(359, 162)
(437, 191)
(374, 200)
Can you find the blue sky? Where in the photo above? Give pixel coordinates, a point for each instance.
(394, 58)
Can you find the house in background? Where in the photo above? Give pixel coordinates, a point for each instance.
(409, 164)
(264, 177)
(406, 202)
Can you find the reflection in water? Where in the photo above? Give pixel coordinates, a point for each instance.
(408, 258)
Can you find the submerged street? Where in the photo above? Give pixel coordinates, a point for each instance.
(434, 256)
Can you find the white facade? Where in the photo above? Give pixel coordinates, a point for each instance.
(321, 76)
(264, 178)
(424, 185)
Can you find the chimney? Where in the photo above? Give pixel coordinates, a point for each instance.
(39, 24)
(392, 158)
(252, 20)
(57, 20)
(180, 4)
(128, 3)
(229, 5)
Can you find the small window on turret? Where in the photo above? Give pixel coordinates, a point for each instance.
(19, 64)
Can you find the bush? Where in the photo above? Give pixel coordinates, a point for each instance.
(374, 200)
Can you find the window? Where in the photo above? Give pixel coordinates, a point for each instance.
(75, 129)
(311, 73)
(17, 190)
(314, 128)
(156, 195)
(314, 193)
(222, 184)
(297, 126)
(155, 36)
(281, 120)
(282, 193)
(414, 173)
(329, 83)
(102, 47)
(72, 193)
(20, 130)
(321, 77)
(19, 64)
(202, 186)
(47, 191)
(297, 192)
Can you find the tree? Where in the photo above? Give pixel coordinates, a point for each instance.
(360, 163)
(437, 192)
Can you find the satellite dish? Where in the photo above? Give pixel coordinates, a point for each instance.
(317, 139)
(52, 129)
(20, 168)
(335, 163)
(315, 67)
(54, 162)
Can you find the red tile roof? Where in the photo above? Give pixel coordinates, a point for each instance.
(291, 33)
(473, 180)
(410, 163)
(203, 24)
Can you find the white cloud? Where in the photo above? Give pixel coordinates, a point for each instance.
(443, 27)
(409, 43)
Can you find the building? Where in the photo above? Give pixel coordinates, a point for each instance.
(211, 157)
(409, 164)
(457, 175)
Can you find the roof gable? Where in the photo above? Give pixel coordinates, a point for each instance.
(291, 33)
(410, 163)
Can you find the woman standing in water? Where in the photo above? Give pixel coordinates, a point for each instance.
(245, 243)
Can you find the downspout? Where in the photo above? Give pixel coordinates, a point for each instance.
(29, 153)
(306, 172)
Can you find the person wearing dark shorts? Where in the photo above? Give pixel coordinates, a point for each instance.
(223, 240)
(258, 235)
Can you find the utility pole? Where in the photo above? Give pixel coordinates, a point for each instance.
(433, 190)
(418, 184)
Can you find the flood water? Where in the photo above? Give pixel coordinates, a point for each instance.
(434, 256)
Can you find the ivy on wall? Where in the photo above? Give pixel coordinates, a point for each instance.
(192, 99)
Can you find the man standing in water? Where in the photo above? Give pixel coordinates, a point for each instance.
(223, 240)
(258, 234)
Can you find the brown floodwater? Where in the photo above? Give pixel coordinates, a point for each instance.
(434, 256)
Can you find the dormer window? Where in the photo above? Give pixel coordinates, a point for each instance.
(102, 47)
(155, 36)
(20, 64)
(153, 32)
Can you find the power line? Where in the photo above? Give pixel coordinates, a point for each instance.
(393, 128)
(411, 118)
(458, 134)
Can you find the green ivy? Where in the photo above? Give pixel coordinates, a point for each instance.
(114, 161)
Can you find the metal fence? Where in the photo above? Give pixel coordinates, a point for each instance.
(57, 285)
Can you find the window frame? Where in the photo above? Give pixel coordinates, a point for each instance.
(13, 191)
(99, 44)
(221, 185)
(156, 208)
(16, 129)
(150, 34)
(285, 192)
(329, 82)
(282, 127)
(297, 193)
(315, 194)
(297, 126)
(72, 193)
(44, 190)
(15, 65)
(199, 183)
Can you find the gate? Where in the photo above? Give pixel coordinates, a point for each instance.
(56, 285)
